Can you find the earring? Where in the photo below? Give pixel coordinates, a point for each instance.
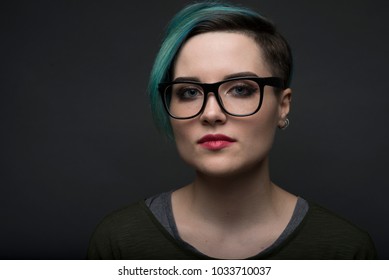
(286, 124)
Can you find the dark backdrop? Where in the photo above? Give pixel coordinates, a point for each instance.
(77, 139)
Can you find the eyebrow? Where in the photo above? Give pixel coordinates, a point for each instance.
(229, 76)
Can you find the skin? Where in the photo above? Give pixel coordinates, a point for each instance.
(231, 210)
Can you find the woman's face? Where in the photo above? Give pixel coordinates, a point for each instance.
(209, 58)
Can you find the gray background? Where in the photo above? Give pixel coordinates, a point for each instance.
(77, 139)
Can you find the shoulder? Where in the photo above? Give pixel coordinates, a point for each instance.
(331, 223)
(326, 235)
(123, 228)
(122, 218)
(133, 232)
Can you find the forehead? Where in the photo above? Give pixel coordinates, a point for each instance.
(210, 56)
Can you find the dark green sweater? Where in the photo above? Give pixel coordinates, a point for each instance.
(134, 233)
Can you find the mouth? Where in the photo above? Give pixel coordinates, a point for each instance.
(215, 141)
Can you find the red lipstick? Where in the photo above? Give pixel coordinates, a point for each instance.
(215, 141)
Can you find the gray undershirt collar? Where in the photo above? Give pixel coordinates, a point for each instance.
(161, 206)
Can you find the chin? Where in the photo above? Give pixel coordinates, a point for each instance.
(227, 168)
(222, 171)
(218, 173)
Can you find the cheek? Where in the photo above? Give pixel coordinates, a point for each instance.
(268, 116)
(180, 129)
(260, 129)
(182, 132)
(259, 132)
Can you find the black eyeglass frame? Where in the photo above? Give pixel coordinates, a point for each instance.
(214, 87)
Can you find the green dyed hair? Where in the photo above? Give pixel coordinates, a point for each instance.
(205, 17)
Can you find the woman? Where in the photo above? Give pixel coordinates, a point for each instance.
(220, 88)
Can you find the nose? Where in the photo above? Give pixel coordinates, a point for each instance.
(212, 113)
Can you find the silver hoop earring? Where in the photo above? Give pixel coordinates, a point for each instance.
(286, 124)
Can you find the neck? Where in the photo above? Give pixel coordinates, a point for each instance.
(233, 198)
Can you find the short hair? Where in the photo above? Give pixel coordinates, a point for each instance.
(206, 17)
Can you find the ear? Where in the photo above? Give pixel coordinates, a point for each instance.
(284, 106)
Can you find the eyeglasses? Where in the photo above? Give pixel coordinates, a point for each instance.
(239, 97)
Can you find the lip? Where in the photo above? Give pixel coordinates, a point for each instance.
(215, 141)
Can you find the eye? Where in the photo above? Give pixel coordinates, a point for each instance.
(187, 93)
(242, 90)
